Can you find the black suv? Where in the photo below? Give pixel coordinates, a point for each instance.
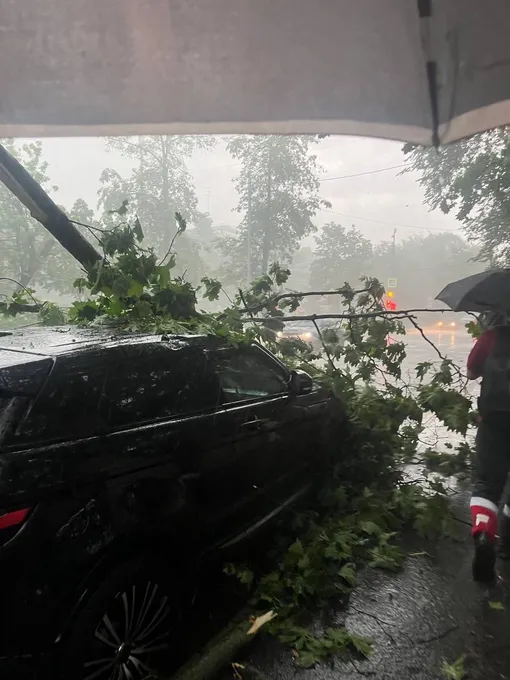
(123, 460)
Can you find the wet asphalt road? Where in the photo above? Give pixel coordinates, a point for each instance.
(428, 613)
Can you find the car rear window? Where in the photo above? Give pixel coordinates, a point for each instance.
(11, 411)
(68, 406)
(4, 404)
(154, 382)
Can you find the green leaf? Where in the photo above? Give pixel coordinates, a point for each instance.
(361, 644)
(370, 528)
(81, 284)
(497, 605)
(137, 230)
(135, 288)
(163, 274)
(121, 285)
(454, 671)
(212, 288)
(142, 310)
(348, 573)
(296, 549)
(181, 223)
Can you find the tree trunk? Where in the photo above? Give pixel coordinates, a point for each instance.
(43, 209)
(165, 194)
(35, 265)
(220, 650)
(266, 245)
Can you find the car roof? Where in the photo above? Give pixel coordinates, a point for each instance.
(24, 344)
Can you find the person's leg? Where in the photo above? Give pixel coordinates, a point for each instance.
(492, 466)
(504, 530)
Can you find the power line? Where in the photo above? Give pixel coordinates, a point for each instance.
(389, 224)
(360, 174)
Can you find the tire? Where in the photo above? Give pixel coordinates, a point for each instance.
(126, 628)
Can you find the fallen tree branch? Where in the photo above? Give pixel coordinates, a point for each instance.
(401, 314)
(14, 308)
(222, 648)
(312, 293)
(248, 672)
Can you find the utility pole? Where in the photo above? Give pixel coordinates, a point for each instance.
(249, 230)
(21, 183)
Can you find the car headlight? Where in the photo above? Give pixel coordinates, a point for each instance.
(452, 325)
(279, 334)
(440, 323)
(307, 336)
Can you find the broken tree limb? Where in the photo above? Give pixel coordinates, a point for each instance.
(310, 293)
(14, 308)
(399, 314)
(245, 671)
(222, 648)
(44, 210)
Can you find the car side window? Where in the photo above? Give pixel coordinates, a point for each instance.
(68, 406)
(248, 373)
(155, 381)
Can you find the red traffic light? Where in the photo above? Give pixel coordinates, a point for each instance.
(391, 305)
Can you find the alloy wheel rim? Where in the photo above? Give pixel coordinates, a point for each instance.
(135, 628)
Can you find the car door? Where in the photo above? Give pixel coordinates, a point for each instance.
(163, 406)
(268, 423)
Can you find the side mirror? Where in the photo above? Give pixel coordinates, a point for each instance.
(300, 383)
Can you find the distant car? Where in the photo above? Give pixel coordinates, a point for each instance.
(446, 323)
(121, 461)
(307, 332)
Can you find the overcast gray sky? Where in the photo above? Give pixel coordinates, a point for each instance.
(368, 201)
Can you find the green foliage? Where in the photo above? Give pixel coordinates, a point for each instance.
(498, 606)
(310, 649)
(340, 255)
(471, 179)
(52, 315)
(158, 187)
(449, 405)
(212, 288)
(278, 187)
(458, 461)
(131, 287)
(455, 670)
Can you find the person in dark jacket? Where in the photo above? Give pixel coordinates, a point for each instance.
(490, 360)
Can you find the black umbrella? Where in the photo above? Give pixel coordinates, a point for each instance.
(479, 293)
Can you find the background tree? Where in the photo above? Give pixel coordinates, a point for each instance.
(472, 180)
(28, 253)
(158, 186)
(278, 188)
(300, 265)
(423, 264)
(342, 255)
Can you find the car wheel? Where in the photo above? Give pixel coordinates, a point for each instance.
(127, 628)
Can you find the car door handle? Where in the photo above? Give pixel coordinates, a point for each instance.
(252, 424)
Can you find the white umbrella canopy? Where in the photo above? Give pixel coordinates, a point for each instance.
(424, 71)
